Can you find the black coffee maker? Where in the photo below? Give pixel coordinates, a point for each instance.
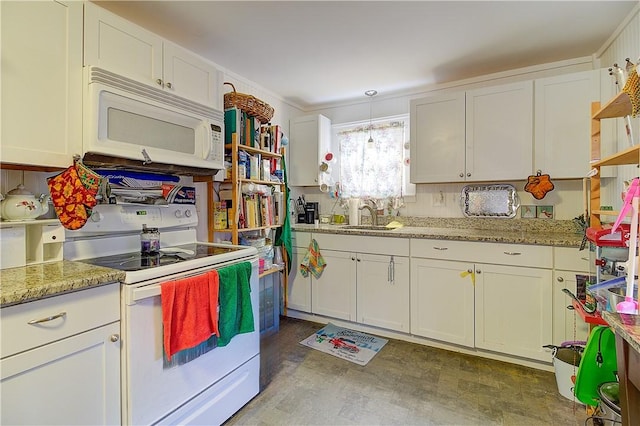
(311, 213)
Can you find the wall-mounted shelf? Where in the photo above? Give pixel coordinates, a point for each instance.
(619, 106)
(628, 156)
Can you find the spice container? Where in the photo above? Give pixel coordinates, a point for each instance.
(149, 240)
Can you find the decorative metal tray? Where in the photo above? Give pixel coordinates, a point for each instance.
(500, 201)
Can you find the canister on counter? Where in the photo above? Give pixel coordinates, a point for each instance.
(149, 240)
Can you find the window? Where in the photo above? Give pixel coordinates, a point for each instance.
(374, 160)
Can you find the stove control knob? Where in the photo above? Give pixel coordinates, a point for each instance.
(178, 213)
(96, 216)
(187, 213)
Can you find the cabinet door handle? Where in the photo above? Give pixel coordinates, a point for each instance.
(512, 253)
(468, 174)
(478, 271)
(47, 319)
(391, 270)
(560, 279)
(114, 337)
(159, 81)
(353, 258)
(461, 175)
(441, 248)
(169, 85)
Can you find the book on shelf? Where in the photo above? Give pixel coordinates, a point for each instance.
(259, 210)
(232, 117)
(271, 138)
(220, 215)
(255, 165)
(265, 172)
(278, 208)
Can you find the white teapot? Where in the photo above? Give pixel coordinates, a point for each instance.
(20, 204)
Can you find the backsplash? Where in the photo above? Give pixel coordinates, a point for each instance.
(443, 201)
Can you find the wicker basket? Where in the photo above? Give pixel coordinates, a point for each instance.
(249, 104)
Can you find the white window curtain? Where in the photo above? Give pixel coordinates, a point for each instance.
(374, 161)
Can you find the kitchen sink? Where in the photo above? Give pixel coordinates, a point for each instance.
(368, 227)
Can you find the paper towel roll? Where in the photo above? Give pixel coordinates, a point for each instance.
(354, 213)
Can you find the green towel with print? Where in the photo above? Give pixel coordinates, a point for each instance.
(235, 315)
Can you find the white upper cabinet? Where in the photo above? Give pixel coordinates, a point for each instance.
(438, 138)
(481, 135)
(499, 132)
(562, 123)
(309, 135)
(41, 79)
(190, 76)
(120, 46)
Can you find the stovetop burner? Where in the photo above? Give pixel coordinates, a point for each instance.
(136, 261)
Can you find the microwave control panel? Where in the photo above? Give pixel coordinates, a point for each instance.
(216, 151)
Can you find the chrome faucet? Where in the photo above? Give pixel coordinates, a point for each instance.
(372, 212)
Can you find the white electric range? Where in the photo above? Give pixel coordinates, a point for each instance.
(205, 390)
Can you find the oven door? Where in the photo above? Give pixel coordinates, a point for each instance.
(152, 393)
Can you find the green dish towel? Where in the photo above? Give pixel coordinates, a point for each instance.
(236, 314)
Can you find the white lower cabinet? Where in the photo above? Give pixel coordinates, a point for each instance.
(383, 291)
(567, 324)
(371, 289)
(334, 293)
(366, 280)
(442, 301)
(63, 354)
(513, 310)
(494, 297)
(298, 287)
(490, 296)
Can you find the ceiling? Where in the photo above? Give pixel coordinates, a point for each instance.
(315, 53)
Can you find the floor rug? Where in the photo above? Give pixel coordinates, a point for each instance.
(351, 345)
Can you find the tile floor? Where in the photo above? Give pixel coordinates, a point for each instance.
(405, 384)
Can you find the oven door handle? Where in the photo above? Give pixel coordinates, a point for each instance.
(134, 294)
(144, 293)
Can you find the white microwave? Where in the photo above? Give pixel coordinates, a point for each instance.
(127, 119)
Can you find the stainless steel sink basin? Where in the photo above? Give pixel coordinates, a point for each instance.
(368, 227)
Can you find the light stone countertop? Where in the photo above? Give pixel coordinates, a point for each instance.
(513, 231)
(627, 326)
(33, 282)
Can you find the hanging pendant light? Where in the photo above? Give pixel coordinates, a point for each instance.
(370, 94)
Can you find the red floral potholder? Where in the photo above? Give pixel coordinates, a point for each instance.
(71, 199)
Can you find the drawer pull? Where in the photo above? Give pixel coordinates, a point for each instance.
(441, 248)
(512, 253)
(47, 319)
